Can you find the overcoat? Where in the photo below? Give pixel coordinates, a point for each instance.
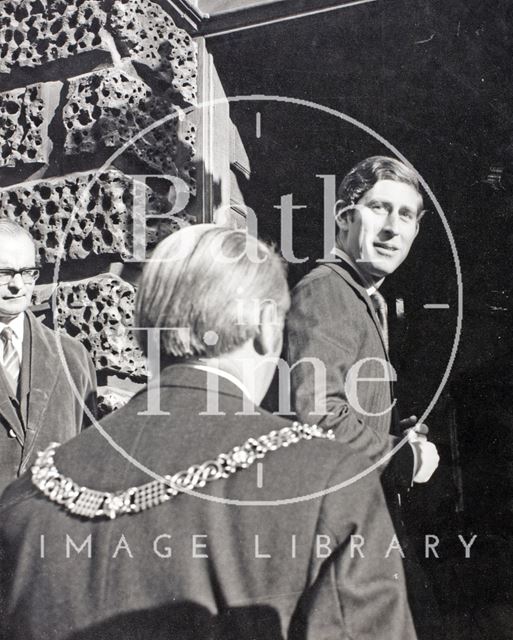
(56, 377)
(263, 553)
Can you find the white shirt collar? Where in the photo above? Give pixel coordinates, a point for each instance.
(340, 253)
(222, 374)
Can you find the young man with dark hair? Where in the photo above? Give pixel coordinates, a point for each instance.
(339, 319)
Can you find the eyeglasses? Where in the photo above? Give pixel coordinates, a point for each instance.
(28, 276)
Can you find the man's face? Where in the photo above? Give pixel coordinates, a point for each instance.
(16, 252)
(379, 233)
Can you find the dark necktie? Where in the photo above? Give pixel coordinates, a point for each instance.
(11, 360)
(381, 309)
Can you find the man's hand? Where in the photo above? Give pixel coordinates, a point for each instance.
(413, 429)
(407, 423)
(426, 454)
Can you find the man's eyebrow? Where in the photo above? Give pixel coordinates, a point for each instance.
(13, 269)
(380, 201)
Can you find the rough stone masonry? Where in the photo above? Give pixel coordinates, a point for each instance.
(79, 79)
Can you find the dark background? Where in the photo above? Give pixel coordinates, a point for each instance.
(435, 79)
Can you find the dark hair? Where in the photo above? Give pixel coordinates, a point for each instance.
(366, 173)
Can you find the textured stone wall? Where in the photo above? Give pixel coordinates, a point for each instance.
(35, 32)
(83, 83)
(81, 215)
(24, 126)
(100, 312)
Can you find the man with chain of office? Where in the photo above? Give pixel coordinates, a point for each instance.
(191, 512)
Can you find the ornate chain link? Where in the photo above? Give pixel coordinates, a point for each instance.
(89, 503)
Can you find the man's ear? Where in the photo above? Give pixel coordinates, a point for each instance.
(343, 214)
(420, 215)
(269, 340)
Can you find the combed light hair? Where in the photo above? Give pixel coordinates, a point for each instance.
(12, 228)
(205, 278)
(366, 173)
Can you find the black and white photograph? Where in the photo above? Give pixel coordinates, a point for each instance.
(256, 367)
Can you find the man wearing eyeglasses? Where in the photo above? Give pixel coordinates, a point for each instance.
(45, 381)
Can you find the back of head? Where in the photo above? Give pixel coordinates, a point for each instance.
(366, 173)
(210, 282)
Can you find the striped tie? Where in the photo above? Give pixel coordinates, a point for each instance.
(381, 308)
(11, 360)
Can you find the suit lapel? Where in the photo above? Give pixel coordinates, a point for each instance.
(24, 385)
(42, 376)
(346, 273)
(351, 277)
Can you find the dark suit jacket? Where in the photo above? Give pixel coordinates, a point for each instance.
(264, 572)
(48, 407)
(333, 319)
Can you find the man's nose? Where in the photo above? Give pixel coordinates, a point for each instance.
(392, 223)
(16, 281)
